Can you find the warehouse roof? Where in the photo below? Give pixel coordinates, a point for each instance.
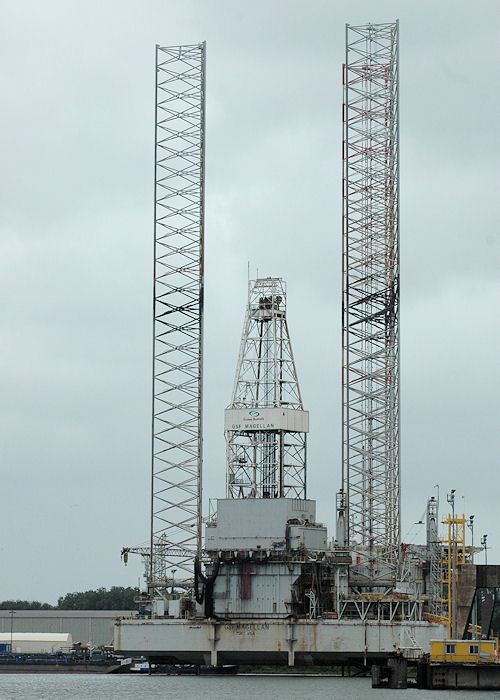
(35, 636)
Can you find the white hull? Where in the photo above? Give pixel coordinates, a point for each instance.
(270, 641)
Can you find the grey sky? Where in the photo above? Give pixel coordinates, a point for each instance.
(76, 255)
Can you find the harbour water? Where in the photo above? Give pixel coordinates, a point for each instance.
(97, 687)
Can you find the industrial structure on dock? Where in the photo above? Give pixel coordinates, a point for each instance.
(266, 583)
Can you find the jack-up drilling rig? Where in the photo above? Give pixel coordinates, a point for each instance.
(268, 585)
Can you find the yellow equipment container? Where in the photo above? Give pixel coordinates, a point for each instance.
(464, 650)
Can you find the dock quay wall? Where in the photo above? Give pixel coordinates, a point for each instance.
(447, 676)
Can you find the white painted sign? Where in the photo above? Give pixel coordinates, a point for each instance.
(266, 419)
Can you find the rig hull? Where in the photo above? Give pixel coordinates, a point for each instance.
(268, 641)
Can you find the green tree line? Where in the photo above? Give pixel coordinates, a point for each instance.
(24, 605)
(116, 598)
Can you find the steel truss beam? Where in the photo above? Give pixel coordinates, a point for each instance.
(370, 332)
(388, 610)
(178, 311)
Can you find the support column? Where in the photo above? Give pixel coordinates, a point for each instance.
(370, 330)
(213, 639)
(177, 382)
(291, 639)
(398, 672)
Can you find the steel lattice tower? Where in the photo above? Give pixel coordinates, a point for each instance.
(178, 311)
(370, 332)
(435, 554)
(265, 423)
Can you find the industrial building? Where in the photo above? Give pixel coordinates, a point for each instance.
(35, 642)
(93, 627)
(262, 580)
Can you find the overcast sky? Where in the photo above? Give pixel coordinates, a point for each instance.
(76, 255)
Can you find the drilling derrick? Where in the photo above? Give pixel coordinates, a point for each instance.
(178, 313)
(370, 329)
(265, 423)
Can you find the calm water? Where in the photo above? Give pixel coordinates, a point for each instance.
(209, 688)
